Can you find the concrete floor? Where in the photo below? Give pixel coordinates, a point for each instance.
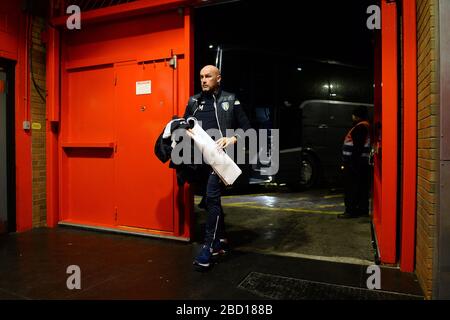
(273, 238)
(33, 265)
(302, 224)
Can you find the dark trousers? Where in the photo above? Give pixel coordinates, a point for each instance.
(356, 189)
(215, 224)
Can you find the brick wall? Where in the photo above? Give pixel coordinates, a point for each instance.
(428, 141)
(38, 118)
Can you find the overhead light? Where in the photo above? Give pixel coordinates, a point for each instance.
(333, 94)
(211, 46)
(299, 69)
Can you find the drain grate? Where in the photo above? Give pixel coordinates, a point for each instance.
(284, 288)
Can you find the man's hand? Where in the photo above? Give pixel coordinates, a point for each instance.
(189, 133)
(224, 142)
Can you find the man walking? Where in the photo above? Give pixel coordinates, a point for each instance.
(220, 110)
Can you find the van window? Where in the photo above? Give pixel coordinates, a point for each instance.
(315, 113)
(341, 114)
(315, 119)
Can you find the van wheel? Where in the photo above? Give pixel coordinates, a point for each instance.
(309, 173)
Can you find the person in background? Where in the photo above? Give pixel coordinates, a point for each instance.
(355, 156)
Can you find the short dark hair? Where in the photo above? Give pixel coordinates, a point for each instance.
(361, 112)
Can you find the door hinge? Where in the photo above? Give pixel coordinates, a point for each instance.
(115, 79)
(115, 214)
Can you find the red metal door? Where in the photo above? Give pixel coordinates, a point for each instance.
(102, 171)
(144, 188)
(385, 136)
(87, 147)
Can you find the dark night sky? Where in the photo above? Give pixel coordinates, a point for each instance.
(326, 29)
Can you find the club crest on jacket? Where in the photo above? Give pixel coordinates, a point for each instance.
(225, 105)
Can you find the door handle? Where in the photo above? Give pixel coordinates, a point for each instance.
(323, 126)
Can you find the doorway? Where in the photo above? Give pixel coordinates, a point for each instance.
(308, 75)
(7, 171)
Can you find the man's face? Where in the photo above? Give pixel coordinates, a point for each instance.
(210, 78)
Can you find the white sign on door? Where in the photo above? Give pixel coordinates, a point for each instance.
(143, 87)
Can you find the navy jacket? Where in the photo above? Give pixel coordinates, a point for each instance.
(229, 111)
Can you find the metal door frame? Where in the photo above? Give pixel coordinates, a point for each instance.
(10, 144)
(386, 100)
